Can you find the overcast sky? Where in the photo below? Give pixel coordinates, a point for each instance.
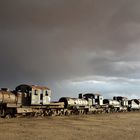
(71, 46)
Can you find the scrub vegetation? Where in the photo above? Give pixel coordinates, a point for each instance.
(120, 126)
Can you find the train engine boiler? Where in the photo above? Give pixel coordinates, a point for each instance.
(8, 99)
(112, 105)
(74, 105)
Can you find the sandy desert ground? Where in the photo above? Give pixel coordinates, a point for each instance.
(118, 126)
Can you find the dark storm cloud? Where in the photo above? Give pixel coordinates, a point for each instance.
(48, 42)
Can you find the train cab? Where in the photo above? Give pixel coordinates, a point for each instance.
(34, 95)
(94, 99)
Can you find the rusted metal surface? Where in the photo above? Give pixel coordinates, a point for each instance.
(34, 87)
(56, 105)
(24, 110)
(39, 87)
(111, 102)
(7, 97)
(39, 95)
(71, 102)
(94, 99)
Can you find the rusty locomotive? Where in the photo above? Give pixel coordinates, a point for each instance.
(36, 101)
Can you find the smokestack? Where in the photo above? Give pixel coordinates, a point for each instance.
(80, 96)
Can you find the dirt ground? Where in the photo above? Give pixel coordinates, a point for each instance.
(120, 126)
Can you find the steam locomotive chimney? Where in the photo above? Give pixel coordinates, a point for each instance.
(80, 96)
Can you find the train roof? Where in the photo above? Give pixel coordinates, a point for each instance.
(69, 98)
(92, 94)
(32, 87)
(39, 87)
(121, 97)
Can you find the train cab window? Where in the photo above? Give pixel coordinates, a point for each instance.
(41, 96)
(129, 102)
(105, 101)
(35, 92)
(46, 93)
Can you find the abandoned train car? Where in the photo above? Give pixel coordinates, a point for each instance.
(24, 99)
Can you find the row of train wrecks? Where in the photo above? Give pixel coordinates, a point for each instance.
(32, 100)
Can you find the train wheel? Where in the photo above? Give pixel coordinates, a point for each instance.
(8, 116)
(67, 113)
(3, 113)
